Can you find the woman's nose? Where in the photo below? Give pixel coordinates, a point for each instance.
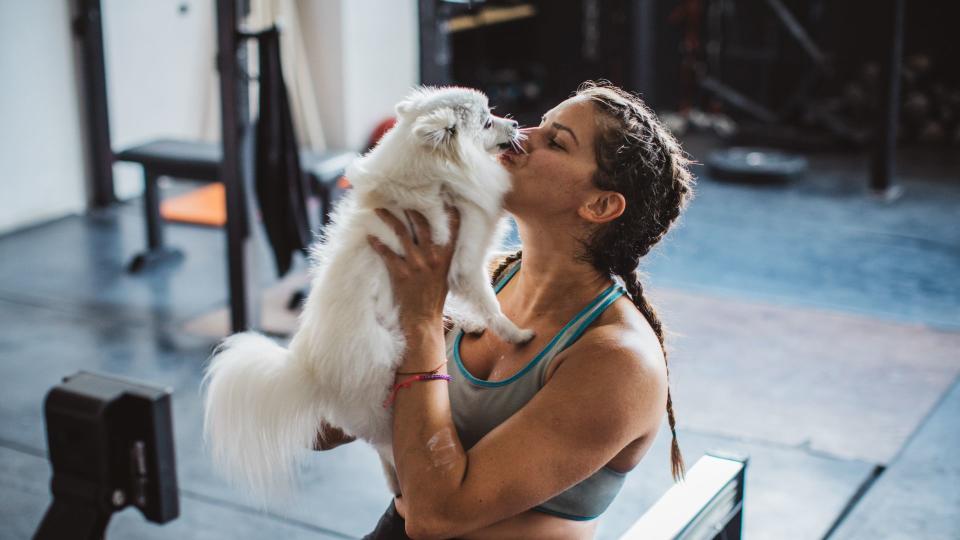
(529, 136)
(526, 135)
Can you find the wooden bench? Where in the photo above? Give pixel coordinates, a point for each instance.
(197, 160)
(707, 505)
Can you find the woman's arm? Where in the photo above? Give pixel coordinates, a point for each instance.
(604, 395)
(426, 448)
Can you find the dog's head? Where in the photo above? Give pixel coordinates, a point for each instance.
(453, 119)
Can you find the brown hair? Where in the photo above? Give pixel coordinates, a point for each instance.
(638, 158)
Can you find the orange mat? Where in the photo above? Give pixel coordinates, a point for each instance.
(203, 206)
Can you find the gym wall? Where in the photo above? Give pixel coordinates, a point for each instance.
(40, 132)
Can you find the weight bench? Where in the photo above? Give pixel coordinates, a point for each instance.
(197, 160)
(707, 505)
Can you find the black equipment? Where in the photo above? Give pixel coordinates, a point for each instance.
(760, 165)
(111, 446)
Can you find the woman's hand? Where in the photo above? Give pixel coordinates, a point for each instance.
(419, 277)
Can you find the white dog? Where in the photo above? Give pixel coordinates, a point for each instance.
(264, 403)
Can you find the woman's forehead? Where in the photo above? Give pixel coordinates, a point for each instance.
(578, 106)
(578, 114)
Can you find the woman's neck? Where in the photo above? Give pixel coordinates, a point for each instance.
(551, 279)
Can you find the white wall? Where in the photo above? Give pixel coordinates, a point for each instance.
(160, 74)
(364, 57)
(159, 64)
(42, 172)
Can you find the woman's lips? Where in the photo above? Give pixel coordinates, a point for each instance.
(509, 155)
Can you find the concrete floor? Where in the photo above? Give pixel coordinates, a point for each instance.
(812, 328)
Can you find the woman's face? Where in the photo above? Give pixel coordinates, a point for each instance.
(554, 175)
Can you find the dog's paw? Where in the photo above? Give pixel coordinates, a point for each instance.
(472, 327)
(523, 335)
(517, 336)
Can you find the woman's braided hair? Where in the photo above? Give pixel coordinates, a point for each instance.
(638, 158)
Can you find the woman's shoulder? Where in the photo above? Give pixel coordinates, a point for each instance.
(618, 360)
(623, 337)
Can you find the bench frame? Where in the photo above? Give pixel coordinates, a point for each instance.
(707, 505)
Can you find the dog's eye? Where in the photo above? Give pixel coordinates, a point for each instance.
(489, 124)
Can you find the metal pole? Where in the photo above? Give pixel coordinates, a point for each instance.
(642, 73)
(233, 113)
(886, 136)
(434, 45)
(88, 27)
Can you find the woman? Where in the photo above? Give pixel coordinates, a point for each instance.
(534, 440)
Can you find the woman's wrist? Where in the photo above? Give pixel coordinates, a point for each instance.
(424, 329)
(425, 347)
(425, 322)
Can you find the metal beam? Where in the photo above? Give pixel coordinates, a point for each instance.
(643, 55)
(88, 28)
(233, 169)
(435, 52)
(885, 142)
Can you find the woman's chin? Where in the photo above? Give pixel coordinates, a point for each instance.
(510, 201)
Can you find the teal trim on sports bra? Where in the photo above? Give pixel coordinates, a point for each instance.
(586, 322)
(530, 365)
(508, 277)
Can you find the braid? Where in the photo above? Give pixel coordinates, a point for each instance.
(503, 266)
(638, 158)
(635, 289)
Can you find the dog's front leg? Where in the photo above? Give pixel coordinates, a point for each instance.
(439, 224)
(469, 277)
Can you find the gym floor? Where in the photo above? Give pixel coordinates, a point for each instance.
(812, 327)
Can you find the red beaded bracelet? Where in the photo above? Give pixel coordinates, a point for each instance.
(431, 372)
(407, 383)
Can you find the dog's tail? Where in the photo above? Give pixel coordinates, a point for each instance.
(261, 412)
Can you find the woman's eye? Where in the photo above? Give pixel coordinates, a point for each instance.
(553, 142)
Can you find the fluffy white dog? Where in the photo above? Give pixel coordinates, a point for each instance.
(264, 403)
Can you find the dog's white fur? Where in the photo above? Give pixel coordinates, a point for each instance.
(264, 404)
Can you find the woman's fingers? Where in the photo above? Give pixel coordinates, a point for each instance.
(389, 257)
(419, 249)
(400, 229)
(421, 227)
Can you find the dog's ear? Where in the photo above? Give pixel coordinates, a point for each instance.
(436, 129)
(405, 107)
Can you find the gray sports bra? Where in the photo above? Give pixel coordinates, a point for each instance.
(479, 406)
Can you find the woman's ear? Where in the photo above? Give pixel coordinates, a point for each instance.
(602, 207)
